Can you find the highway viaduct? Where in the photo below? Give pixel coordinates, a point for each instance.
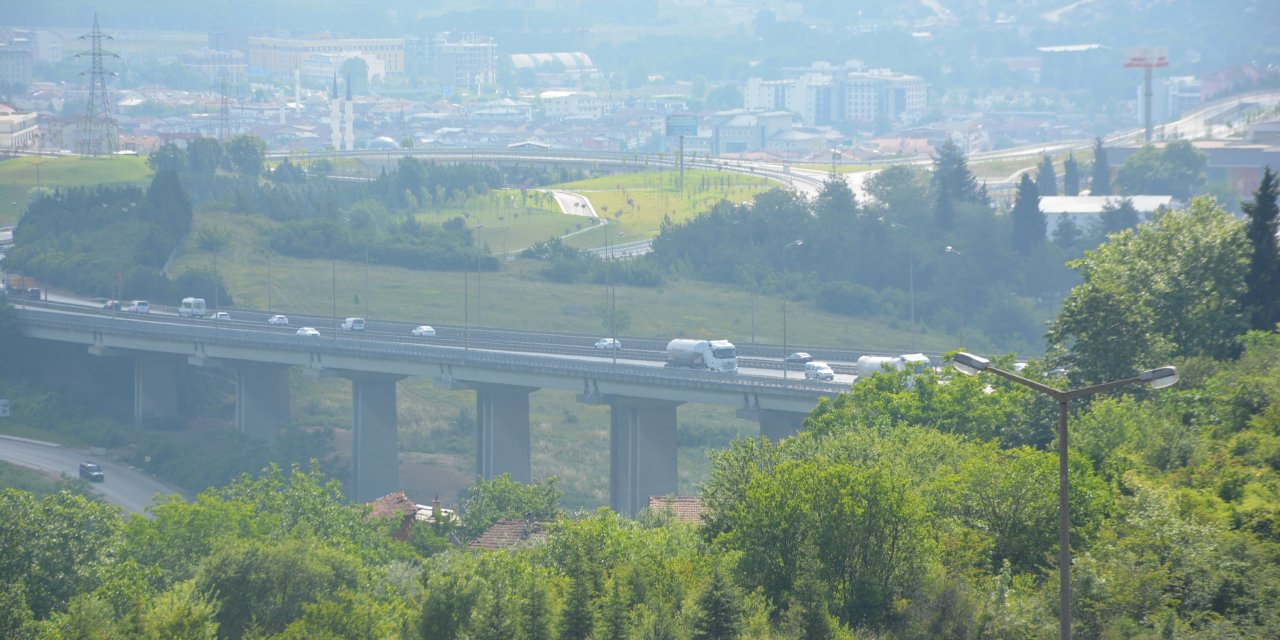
(642, 397)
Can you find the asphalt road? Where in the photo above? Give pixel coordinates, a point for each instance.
(124, 487)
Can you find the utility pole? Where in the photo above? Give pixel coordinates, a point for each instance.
(96, 134)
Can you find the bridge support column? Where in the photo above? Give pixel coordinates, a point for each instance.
(777, 425)
(642, 452)
(502, 431)
(375, 450)
(155, 387)
(262, 399)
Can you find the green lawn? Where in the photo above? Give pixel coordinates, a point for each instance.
(18, 178)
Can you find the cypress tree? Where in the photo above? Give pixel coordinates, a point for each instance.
(1046, 177)
(1100, 180)
(1070, 177)
(719, 617)
(1262, 293)
(1028, 221)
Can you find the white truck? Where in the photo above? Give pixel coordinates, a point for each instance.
(716, 355)
(916, 363)
(192, 308)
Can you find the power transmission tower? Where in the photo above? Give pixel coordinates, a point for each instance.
(96, 135)
(224, 115)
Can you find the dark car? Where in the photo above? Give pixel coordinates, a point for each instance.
(798, 357)
(91, 472)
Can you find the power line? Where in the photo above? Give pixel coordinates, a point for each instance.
(97, 132)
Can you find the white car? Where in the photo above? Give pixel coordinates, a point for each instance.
(220, 315)
(278, 320)
(815, 370)
(608, 343)
(424, 331)
(308, 331)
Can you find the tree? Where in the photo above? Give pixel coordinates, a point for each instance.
(952, 182)
(1070, 176)
(168, 158)
(718, 617)
(247, 153)
(1100, 178)
(1169, 288)
(1262, 284)
(1028, 222)
(1176, 170)
(488, 501)
(1046, 177)
(1117, 215)
(182, 613)
(204, 155)
(1067, 234)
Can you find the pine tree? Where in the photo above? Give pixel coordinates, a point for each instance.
(1100, 180)
(1262, 294)
(952, 182)
(1028, 221)
(1070, 176)
(718, 616)
(1046, 177)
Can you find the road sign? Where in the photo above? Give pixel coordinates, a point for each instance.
(1146, 57)
(682, 125)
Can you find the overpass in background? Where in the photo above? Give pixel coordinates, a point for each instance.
(642, 396)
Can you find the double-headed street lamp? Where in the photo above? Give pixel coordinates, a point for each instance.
(794, 243)
(1160, 378)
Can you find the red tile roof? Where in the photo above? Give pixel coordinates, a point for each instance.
(682, 508)
(509, 533)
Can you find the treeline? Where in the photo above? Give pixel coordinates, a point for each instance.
(104, 241)
(926, 243)
(565, 264)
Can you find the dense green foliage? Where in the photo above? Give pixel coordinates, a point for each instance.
(1262, 296)
(100, 241)
(1177, 169)
(871, 259)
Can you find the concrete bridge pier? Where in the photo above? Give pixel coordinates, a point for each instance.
(502, 431)
(155, 387)
(774, 424)
(375, 450)
(642, 452)
(262, 399)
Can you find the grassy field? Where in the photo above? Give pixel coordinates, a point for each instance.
(19, 178)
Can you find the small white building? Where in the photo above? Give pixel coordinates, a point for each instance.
(1087, 211)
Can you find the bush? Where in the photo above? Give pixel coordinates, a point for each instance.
(848, 299)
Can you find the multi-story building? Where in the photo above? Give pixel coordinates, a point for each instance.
(569, 104)
(463, 61)
(217, 65)
(282, 56)
(828, 95)
(17, 130)
(15, 64)
(1170, 97)
(323, 66)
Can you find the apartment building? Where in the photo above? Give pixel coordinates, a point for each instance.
(282, 56)
(830, 95)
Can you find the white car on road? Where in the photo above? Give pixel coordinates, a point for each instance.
(278, 320)
(424, 331)
(308, 331)
(608, 343)
(220, 316)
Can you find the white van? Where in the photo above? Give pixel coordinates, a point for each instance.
(816, 370)
(352, 324)
(192, 308)
(138, 306)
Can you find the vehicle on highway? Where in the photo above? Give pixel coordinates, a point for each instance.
(278, 320)
(608, 343)
(798, 357)
(192, 308)
(308, 331)
(716, 355)
(111, 304)
(220, 315)
(424, 331)
(138, 306)
(352, 324)
(815, 370)
(91, 472)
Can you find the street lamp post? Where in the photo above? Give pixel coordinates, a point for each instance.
(794, 243)
(952, 250)
(479, 322)
(1160, 378)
